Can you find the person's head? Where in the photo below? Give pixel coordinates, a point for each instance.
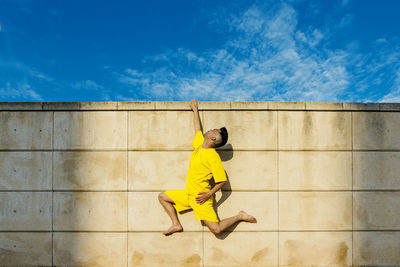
(219, 137)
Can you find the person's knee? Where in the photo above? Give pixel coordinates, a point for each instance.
(215, 229)
(161, 196)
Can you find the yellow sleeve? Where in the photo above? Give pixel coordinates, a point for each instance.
(217, 169)
(198, 139)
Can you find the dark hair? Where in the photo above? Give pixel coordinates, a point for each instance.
(224, 136)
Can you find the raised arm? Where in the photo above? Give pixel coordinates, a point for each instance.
(196, 117)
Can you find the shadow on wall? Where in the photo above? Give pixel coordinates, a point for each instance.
(226, 153)
(90, 188)
(376, 185)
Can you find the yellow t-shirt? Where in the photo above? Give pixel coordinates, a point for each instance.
(204, 164)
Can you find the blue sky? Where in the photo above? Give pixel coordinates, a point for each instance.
(299, 50)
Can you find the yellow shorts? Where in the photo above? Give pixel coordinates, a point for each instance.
(183, 201)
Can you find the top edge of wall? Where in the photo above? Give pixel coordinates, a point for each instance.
(82, 106)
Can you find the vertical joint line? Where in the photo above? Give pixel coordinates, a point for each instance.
(352, 189)
(127, 203)
(202, 120)
(202, 237)
(52, 195)
(277, 175)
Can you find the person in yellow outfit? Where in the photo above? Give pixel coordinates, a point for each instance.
(198, 195)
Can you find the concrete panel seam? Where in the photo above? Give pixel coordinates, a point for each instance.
(239, 150)
(127, 184)
(25, 231)
(278, 182)
(233, 190)
(52, 195)
(202, 236)
(197, 231)
(352, 189)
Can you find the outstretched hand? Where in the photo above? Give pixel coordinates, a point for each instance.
(203, 197)
(193, 104)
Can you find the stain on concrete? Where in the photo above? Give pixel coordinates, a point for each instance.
(259, 255)
(294, 257)
(339, 121)
(192, 261)
(341, 254)
(218, 254)
(137, 258)
(307, 124)
(361, 212)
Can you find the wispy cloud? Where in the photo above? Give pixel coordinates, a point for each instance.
(394, 94)
(18, 80)
(269, 59)
(21, 82)
(20, 91)
(22, 70)
(268, 56)
(87, 85)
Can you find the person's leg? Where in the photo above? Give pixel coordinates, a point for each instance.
(218, 227)
(167, 203)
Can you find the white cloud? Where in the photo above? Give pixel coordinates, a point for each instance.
(20, 81)
(20, 90)
(87, 85)
(23, 70)
(394, 94)
(346, 20)
(269, 59)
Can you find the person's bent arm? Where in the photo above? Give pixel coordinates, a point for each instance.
(204, 196)
(196, 118)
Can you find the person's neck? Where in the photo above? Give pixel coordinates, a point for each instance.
(207, 145)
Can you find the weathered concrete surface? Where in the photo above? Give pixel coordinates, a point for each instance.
(25, 249)
(376, 211)
(90, 130)
(243, 249)
(79, 184)
(25, 211)
(25, 170)
(157, 170)
(90, 249)
(315, 211)
(153, 249)
(26, 130)
(160, 130)
(315, 249)
(376, 248)
(90, 211)
(262, 205)
(315, 170)
(90, 171)
(314, 130)
(250, 130)
(376, 170)
(376, 130)
(251, 170)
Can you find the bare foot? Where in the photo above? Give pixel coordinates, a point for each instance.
(173, 229)
(247, 217)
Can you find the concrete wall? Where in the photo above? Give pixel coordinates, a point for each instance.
(79, 184)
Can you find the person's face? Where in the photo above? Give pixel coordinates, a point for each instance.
(213, 133)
